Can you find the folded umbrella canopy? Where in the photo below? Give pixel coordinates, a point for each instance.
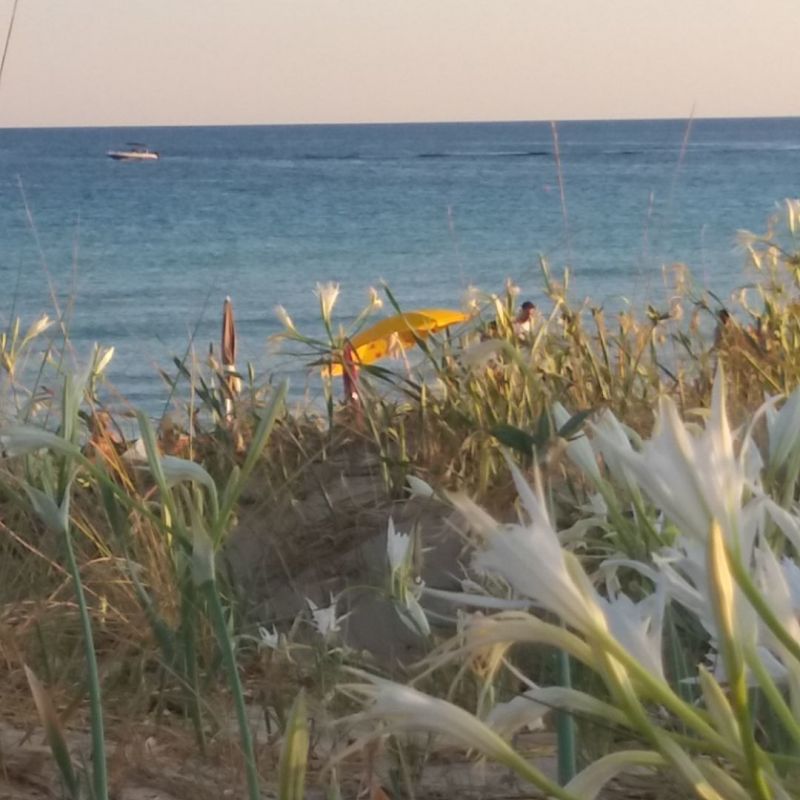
(231, 379)
(401, 330)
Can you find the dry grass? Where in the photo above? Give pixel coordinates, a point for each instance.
(312, 517)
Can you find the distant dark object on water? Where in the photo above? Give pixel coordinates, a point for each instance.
(135, 152)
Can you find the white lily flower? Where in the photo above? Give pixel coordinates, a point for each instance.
(412, 614)
(325, 620)
(528, 709)
(404, 708)
(638, 627)
(753, 464)
(398, 547)
(683, 576)
(327, 294)
(476, 600)
(787, 521)
(783, 429)
(773, 666)
(521, 712)
(693, 479)
(791, 574)
(579, 450)
(531, 559)
(283, 316)
(470, 300)
(780, 586)
(612, 441)
(269, 638)
(418, 487)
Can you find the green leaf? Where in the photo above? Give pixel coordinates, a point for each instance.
(574, 424)
(294, 752)
(514, 438)
(589, 783)
(544, 430)
(49, 512)
(260, 437)
(203, 568)
(54, 733)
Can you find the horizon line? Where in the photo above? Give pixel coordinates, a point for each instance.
(688, 118)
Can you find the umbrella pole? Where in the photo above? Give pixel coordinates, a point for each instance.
(352, 396)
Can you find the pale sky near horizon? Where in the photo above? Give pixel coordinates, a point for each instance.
(172, 62)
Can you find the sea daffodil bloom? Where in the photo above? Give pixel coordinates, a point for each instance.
(375, 301)
(783, 429)
(418, 487)
(404, 590)
(530, 558)
(398, 548)
(412, 614)
(325, 620)
(694, 479)
(283, 315)
(528, 709)
(638, 627)
(579, 449)
(779, 583)
(268, 638)
(327, 294)
(404, 708)
(612, 442)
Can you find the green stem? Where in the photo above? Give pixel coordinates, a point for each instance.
(565, 726)
(662, 693)
(762, 607)
(773, 695)
(190, 676)
(752, 753)
(217, 615)
(99, 773)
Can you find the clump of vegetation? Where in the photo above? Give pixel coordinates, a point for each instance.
(635, 552)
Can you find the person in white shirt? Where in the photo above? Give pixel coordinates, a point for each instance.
(523, 324)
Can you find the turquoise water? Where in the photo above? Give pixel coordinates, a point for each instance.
(145, 253)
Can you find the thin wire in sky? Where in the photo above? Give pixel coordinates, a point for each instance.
(8, 38)
(557, 156)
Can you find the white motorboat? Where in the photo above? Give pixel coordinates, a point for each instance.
(135, 152)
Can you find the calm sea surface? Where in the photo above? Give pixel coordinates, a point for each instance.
(146, 252)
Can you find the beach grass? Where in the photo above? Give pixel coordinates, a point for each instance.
(124, 598)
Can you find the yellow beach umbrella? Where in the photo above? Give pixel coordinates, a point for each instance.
(402, 330)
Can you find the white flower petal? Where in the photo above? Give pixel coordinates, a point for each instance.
(579, 449)
(398, 547)
(418, 487)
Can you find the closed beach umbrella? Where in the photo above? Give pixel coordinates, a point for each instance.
(230, 378)
(401, 330)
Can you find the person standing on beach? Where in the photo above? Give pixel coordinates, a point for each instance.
(523, 324)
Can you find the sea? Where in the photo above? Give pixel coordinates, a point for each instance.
(140, 256)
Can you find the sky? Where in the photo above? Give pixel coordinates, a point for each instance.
(195, 62)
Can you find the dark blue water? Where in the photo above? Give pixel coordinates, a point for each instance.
(145, 253)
